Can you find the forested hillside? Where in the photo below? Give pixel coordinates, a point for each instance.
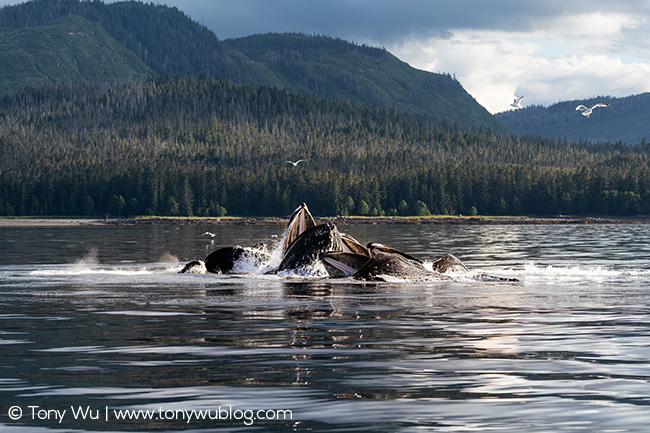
(170, 43)
(165, 38)
(627, 120)
(202, 146)
(334, 68)
(68, 49)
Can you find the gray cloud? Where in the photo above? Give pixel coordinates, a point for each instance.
(386, 21)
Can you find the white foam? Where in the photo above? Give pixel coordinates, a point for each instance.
(315, 270)
(250, 262)
(532, 271)
(552, 271)
(92, 271)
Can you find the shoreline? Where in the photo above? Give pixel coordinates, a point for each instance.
(276, 221)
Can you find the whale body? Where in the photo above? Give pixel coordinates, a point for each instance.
(307, 248)
(382, 266)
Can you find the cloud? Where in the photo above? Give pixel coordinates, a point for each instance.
(487, 64)
(358, 20)
(561, 57)
(392, 21)
(385, 22)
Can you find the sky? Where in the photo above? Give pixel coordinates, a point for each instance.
(547, 51)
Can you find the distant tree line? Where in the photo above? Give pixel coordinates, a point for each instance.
(625, 121)
(181, 145)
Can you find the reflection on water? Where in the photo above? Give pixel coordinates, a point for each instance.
(97, 318)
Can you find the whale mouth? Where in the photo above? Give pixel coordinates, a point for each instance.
(345, 269)
(301, 220)
(342, 264)
(377, 248)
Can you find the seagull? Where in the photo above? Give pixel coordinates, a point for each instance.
(517, 102)
(587, 111)
(295, 164)
(209, 234)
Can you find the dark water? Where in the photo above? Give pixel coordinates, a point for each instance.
(96, 322)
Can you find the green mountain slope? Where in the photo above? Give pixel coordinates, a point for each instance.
(171, 43)
(627, 120)
(69, 49)
(334, 68)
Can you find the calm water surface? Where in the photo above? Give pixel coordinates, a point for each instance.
(96, 322)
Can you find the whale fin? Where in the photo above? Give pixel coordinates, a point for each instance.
(194, 267)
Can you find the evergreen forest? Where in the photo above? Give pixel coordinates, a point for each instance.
(201, 146)
(627, 120)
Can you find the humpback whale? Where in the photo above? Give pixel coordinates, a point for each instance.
(380, 267)
(383, 265)
(194, 267)
(306, 249)
(374, 248)
(449, 263)
(222, 261)
(340, 264)
(306, 244)
(351, 245)
(382, 261)
(386, 262)
(304, 241)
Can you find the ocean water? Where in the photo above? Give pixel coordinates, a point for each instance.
(98, 332)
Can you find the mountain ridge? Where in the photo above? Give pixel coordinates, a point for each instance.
(170, 43)
(368, 74)
(626, 120)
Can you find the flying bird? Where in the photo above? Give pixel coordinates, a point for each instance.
(517, 102)
(587, 111)
(295, 164)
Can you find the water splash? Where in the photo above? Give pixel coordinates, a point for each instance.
(92, 258)
(253, 260)
(168, 258)
(277, 252)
